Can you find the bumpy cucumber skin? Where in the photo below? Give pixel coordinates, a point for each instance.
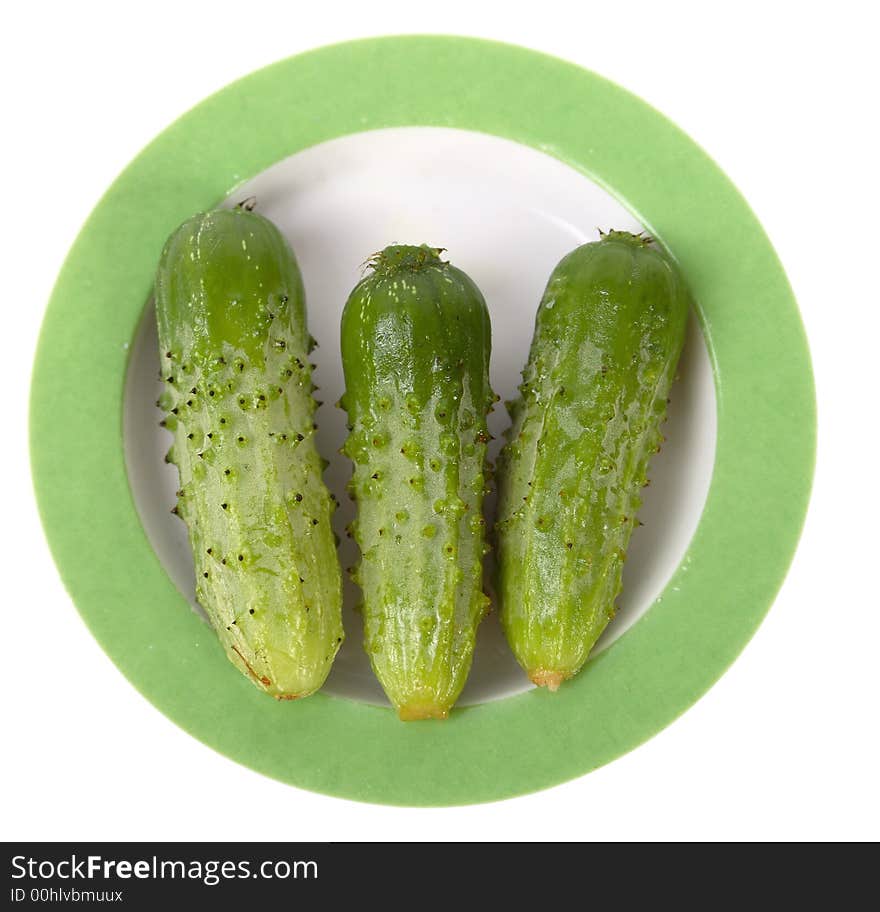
(415, 351)
(238, 394)
(608, 335)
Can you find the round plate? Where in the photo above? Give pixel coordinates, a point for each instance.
(765, 422)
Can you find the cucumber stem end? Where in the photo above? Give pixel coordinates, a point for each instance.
(549, 679)
(415, 712)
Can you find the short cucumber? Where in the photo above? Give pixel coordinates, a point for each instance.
(608, 336)
(238, 395)
(415, 351)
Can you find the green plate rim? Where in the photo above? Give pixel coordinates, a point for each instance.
(747, 533)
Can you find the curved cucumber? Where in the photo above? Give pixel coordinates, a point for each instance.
(608, 335)
(238, 393)
(415, 350)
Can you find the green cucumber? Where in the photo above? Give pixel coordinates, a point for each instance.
(415, 352)
(238, 395)
(608, 335)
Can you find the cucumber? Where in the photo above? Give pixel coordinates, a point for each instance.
(415, 352)
(608, 335)
(238, 395)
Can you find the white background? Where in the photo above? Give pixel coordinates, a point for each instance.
(783, 96)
